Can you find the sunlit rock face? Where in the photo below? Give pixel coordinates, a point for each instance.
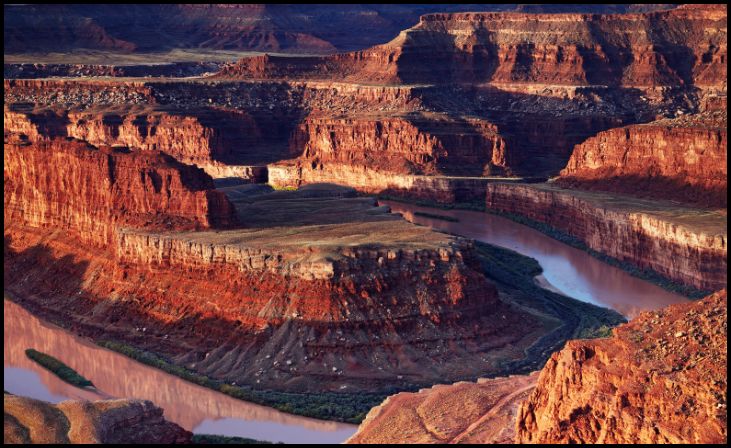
(661, 378)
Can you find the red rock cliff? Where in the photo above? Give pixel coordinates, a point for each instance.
(661, 378)
(629, 50)
(72, 185)
(400, 145)
(669, 159)
(684, 244)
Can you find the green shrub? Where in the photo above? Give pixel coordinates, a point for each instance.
(213, 439)
(60, 369)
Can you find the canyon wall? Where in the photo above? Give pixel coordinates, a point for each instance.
(685, 245)
(404, 145)
(677, 159)
(222, 143)
(627, 50)
(441, 189)
(661, 378)
(280, 303)
(91, 191)
(110, 421)
(288, 28)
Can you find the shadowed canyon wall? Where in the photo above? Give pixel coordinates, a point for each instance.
(680, 244)
(628, 50)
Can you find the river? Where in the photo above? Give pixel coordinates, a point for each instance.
(567, 270)
(195, 408)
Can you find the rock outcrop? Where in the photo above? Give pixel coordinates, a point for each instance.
(474, 413)
(661, 378)
(222, 143)
(289, 28)
(90, 191)
(682, 159)
(111, 421)
(684, 244)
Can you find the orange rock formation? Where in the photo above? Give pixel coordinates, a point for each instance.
(661, 378)
(681, 159)
(92, 191)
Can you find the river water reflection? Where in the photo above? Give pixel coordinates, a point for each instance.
(571, 271)
(193, 407)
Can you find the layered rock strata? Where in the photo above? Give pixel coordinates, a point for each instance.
(301, 299)
(110, 421)
(661, 378)
(191, 29)
(628, 50)
(683, 244)
(432, 130)
(71, 185)
(682, 159)
(223, 143)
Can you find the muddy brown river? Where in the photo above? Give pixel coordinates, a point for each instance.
(567, 270)
(195, 408)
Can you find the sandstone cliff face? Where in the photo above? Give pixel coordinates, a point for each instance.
(198, 138)
(402, 145)
(110, 421)
(669, 159)
(661, 378)
(267, 307)
(223, 143)
(686, 245)
(91, 191)
(629, 50)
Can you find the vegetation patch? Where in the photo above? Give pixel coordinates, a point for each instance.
(60, 369)
(342, 407)
(283, 187)
(212, 439)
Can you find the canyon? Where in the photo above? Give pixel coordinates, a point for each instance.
(258, 27)
(681, 243)
(175, 195)
(281, 312)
